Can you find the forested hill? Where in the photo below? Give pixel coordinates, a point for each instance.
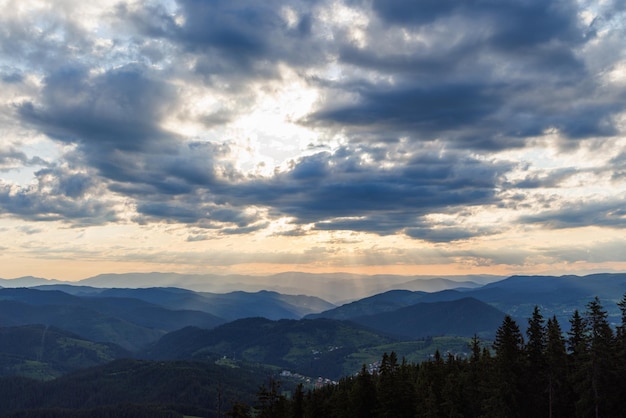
(309, 347)
(385, 302)
(542, 372)
(134, 389)
(463, 317)
(44, 353)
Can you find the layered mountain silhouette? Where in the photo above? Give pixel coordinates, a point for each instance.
(516, 296)
(334, 287)
(130, 323)
(303, 333)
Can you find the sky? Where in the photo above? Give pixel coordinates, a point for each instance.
(364, 136)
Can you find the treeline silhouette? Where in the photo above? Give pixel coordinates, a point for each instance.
(581, 373)
(133, 389)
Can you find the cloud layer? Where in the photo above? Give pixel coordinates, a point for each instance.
(435, 122)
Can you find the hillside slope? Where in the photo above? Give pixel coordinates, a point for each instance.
(43, 353)
(463, 317)
(310, 347)
(385, 302)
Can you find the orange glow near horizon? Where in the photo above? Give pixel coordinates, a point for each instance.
(76, 270)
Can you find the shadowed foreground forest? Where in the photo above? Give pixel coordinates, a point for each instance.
(542, 372)
(547, 373)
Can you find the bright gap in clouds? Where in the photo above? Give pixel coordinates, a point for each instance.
(271, 128)
(263, 132)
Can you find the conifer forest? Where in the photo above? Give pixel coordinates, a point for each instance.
(544, 373)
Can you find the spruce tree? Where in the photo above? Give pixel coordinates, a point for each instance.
(298, 402)
(600, 355)
(620, 352)
(535, 382)
(270, 402)
(556, 370)
(577, 340)
(429, 388)
(475, 379)
(363, 395)
(392, 399)
(578, 347)
(453, 405)
(506, 397)
(475, 347)
(621, 329)
(238, 410)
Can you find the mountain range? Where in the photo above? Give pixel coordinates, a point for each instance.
(516, 296)
(62, 327)
(227, 306)
(336, 287)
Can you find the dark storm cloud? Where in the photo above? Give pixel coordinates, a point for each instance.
(153, 20)
(118, 110)
(425, 62)
(173, 210)
(609, 213)
(479, 116)
(516, 24)
(540, 36)
(430, 111)
(232, 38)
(447, 234)
(480, 113)
(240, 31)
(12, 77)
(201, 211)
(482, 75)
(114, 119)
(195, 209)
(340, 191)
(58, 195)
(337, 191)
(418, 12)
